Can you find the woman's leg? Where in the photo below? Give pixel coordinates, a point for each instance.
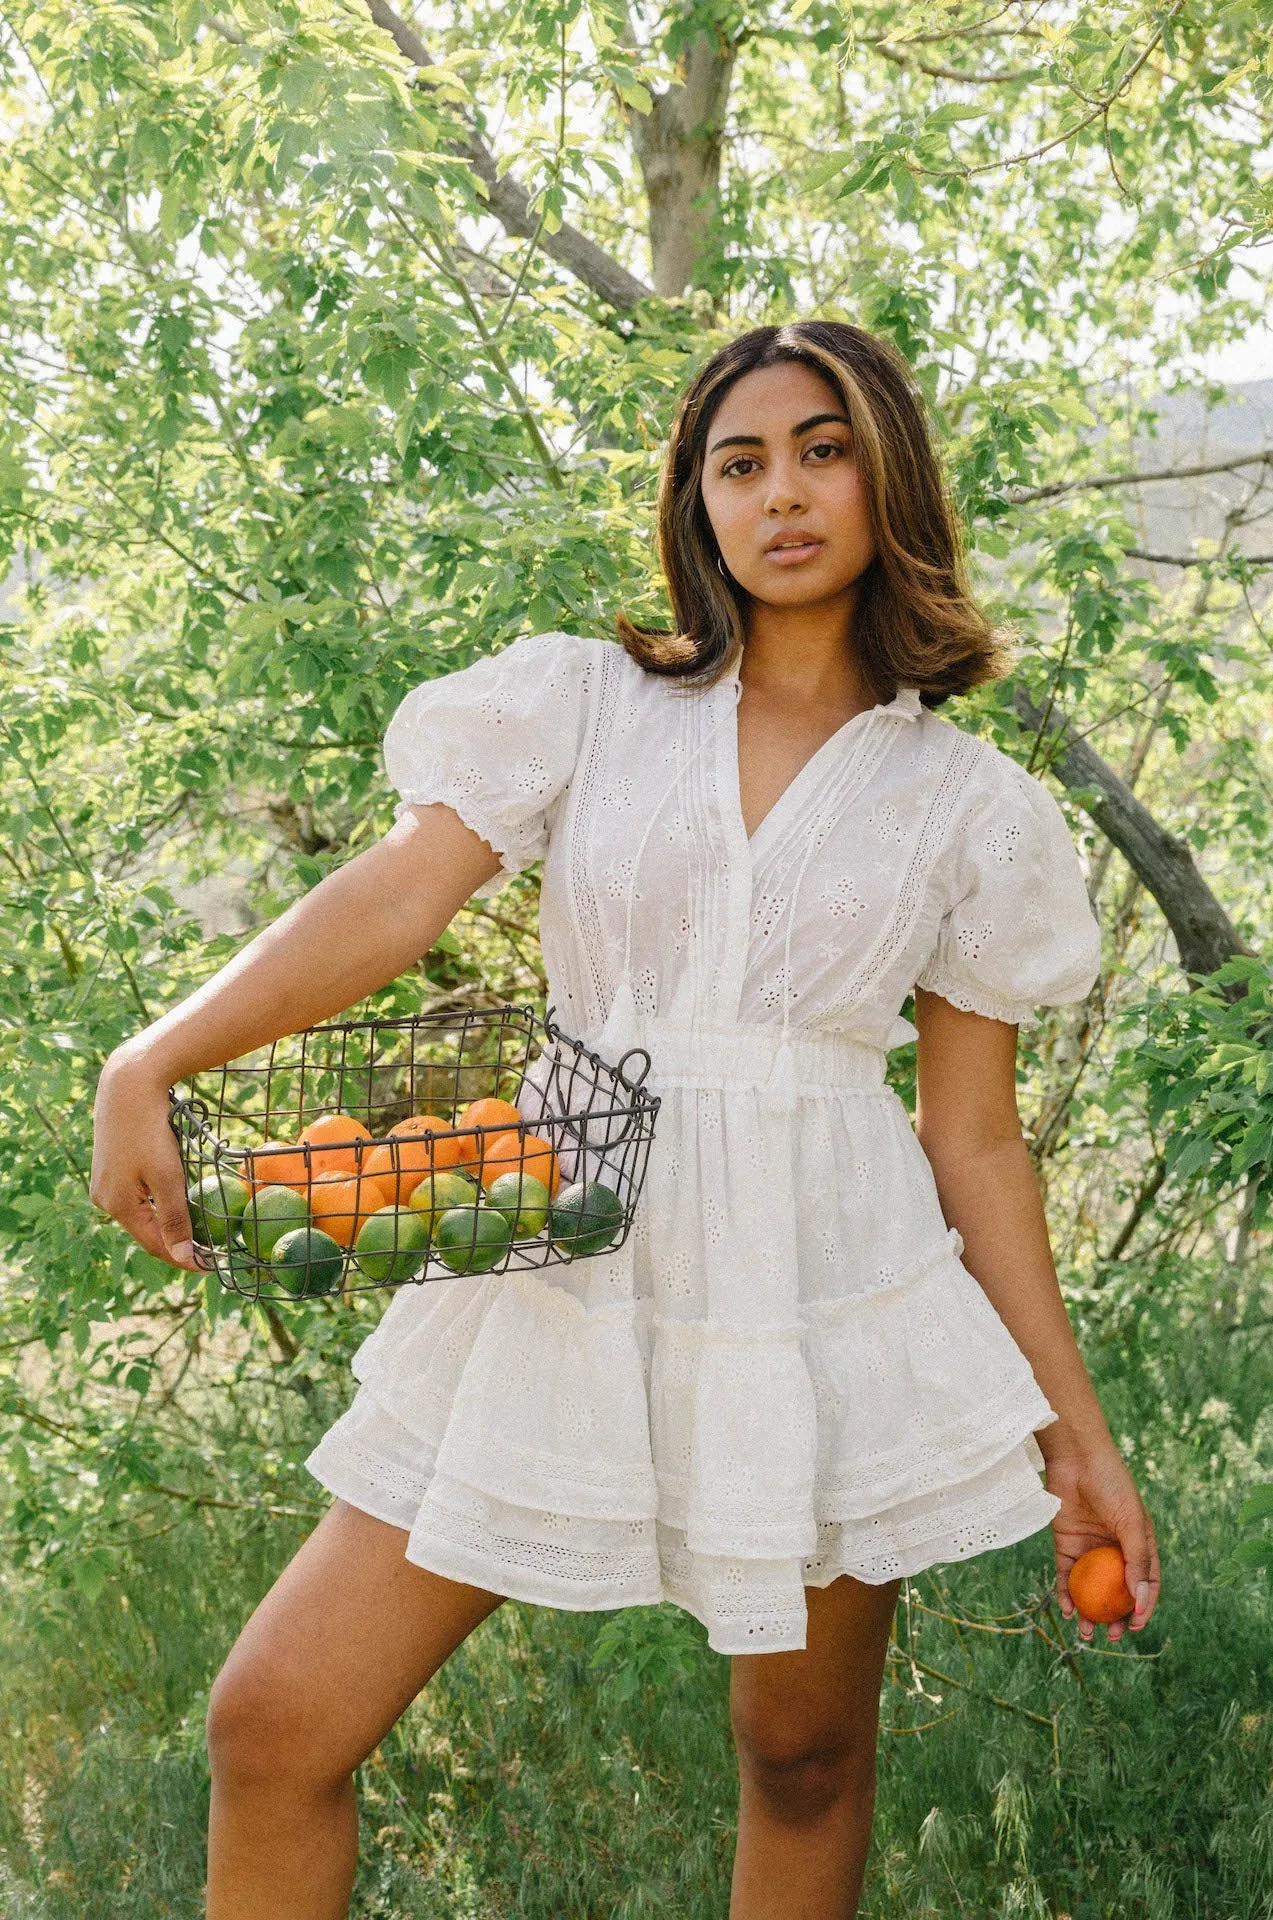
(334, 1654)
(805, 1727)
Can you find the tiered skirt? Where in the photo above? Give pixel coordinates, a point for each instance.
(786, 1373)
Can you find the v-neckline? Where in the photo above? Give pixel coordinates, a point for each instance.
(906, 701)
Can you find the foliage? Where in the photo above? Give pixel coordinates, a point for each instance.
(1256, 1550)
(1204, 1063)
(519, 1784)
(289, 423)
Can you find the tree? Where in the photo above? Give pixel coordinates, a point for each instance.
(338, 348)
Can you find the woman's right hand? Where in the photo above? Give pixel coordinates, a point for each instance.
(137, 1174)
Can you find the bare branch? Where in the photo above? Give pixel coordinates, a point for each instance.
(899, 58)
(509, 201)
(1198, 560)
(1094, 482)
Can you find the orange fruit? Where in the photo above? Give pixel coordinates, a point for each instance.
(276, 1164)
(336, 1140)
(425, 1145)
(339, 1206)
(510, 1153)
(399, 1169)
(446, 1148)
(482, 1113)
(1098, 1586)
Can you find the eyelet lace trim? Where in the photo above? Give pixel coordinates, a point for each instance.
(937, 979)
(965, 752)
(560, 1559)
(580, 881)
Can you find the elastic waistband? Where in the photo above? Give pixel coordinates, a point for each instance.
(743, 1055)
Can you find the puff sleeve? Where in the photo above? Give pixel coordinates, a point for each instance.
(497, 742)
(1017, 930)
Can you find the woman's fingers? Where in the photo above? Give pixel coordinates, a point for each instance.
(172, 1215)
(160, 1224)
(1133, 1533)
(137, 1176)
(1144, 1576)
(136, 1216)
(1064, 1561)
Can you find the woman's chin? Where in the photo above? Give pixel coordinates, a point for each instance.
(808, 585)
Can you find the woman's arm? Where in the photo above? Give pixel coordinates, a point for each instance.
(968, 1126)
(357, 930)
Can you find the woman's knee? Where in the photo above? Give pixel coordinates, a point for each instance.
(800, 1770)
(261, 1734)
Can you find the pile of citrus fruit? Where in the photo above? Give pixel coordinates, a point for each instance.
(465, 1191)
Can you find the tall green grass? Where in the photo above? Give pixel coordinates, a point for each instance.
(1048, 1781)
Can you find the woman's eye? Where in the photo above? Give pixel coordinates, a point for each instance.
(733, 466)
(824, 447)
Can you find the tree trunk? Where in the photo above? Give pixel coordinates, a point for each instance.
(1205, 936)
(678, 147)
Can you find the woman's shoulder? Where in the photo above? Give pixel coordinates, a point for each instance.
(990, 771)
(550, 649)
(999, 811)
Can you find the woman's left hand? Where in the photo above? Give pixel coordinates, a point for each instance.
(1101, 1507)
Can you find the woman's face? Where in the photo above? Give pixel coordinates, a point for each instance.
(782, 490)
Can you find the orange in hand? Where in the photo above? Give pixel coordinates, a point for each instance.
(339, 1205)
(335, 1141)
(483, 1113)
(1098, 1586)
(510, 1153)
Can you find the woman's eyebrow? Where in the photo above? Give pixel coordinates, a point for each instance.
(757, 440)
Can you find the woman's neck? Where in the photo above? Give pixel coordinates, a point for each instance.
(805, 655)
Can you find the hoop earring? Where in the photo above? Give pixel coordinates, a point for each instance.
(720, 568)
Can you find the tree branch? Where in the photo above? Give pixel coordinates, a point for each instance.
(1023, 496)
(1205, 936)
(892, 53)
(509, 201)
(1196, 560)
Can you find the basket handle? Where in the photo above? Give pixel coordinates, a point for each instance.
(638, 1080)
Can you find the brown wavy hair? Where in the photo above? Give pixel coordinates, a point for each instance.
(916, 624)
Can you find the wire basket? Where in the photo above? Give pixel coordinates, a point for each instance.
(352, 1156)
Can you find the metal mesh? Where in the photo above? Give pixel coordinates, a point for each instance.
(584, 1126)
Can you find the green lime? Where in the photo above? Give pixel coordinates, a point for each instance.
(216, 1205)
(269, 1214)
(306, 1260)
(522, 1200)
(439, 1191)
(471, 1239)
(392, 1244)
(585, 1218)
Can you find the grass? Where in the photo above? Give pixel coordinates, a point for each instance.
(1047, 1782)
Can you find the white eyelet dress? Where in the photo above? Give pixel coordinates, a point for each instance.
(785, 1373)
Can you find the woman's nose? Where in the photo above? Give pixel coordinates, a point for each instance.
(784, 491)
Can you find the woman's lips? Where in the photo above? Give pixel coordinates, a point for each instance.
(792, 556)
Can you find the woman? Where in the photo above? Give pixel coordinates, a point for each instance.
(786, 1391)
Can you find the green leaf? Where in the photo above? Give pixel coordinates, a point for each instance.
(1192, 1158)
(952, 115)
(1258, 1504)
(1256, 1555)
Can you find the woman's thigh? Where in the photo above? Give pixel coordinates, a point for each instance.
(337, 1650)
(823, 1699)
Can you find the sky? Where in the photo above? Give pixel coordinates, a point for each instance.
(1243, 360)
